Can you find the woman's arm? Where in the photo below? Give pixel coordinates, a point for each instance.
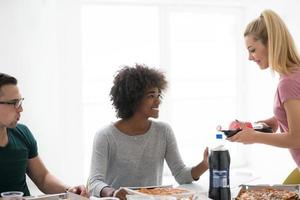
(271, 122)
(96, 182)
(290, 139)
(199, 169)
(181, 173)
(107, 192)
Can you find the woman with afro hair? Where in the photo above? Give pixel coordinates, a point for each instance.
(131, 151)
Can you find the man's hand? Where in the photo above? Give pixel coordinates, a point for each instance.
(81, 190)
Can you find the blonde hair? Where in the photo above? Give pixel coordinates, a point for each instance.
(270, 29)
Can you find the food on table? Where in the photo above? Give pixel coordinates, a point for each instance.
(234, 125)
(163, 191)
(267, 194)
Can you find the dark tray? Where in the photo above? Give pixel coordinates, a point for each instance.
(230, 133)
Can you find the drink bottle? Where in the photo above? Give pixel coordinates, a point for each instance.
(219, 164)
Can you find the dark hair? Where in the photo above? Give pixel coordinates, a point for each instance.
(6, 79)
(130, 85)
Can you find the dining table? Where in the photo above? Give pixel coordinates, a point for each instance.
(199, 187)
(237, 179)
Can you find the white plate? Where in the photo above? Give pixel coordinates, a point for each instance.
(186, 195)
(150, 187)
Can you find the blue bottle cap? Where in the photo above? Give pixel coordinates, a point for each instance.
(219, 136)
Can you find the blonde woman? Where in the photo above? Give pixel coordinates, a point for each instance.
(270, 45)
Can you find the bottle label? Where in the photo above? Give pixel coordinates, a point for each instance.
(220, 178)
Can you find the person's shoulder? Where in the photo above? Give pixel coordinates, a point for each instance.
(22, 127)
(162, 127)
(293, 75)
(160, 124)
(105, 131)
(22, 131)
(290, 80)
(296, 74)
(104, 135)
(289, 86)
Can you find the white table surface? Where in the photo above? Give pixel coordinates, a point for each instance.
(237, 178)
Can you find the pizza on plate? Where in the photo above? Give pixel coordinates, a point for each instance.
(164, 191)
(267, 194)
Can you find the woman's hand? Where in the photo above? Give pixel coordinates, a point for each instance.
(205, 157)
(271, 122)
(121, 194)
(199, 169)
(245, 136)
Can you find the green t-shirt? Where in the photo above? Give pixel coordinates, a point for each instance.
(14, 159)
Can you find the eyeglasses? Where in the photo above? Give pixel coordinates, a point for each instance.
(16, 102)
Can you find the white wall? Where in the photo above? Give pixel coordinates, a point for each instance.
(41, 46)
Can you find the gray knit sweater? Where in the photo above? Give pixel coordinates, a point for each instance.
(120, 160)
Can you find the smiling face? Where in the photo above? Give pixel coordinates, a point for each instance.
(9, 114)
(258, 52)
(149, 106)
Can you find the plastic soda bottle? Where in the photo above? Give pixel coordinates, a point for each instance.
(219, 164)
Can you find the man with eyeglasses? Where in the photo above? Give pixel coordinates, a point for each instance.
(18, 148)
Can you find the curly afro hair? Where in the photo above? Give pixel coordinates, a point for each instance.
(130, 85)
